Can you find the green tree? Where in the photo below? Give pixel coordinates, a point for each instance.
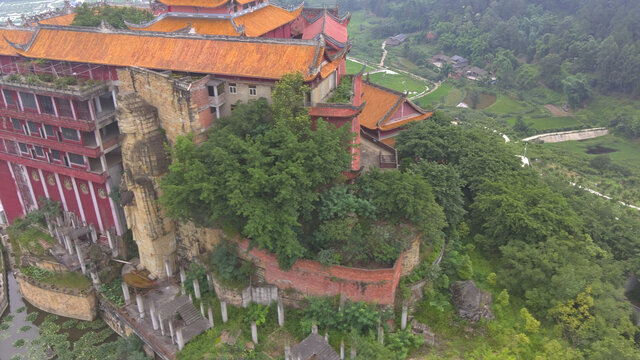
(263, 182)
(403, 197)
(576, 89)
(447, 188)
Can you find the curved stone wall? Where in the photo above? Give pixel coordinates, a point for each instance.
(72, 304)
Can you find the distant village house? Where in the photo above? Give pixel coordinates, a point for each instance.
(397, 39)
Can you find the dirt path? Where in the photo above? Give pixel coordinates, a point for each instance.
(384, 53)
(556, 111)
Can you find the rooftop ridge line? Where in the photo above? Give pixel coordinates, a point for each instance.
(173, 35)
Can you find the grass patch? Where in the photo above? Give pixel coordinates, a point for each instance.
(32, 317)
(19, 343)
(68, 280)
(21, 309)
(435, 97)
(506, 105)
(354, 67)
(24, 328)
(454, 97)
(399, 82)
(554, 123)
(626, 153)
(5, 325)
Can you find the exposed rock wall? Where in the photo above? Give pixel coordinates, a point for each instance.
(76, 305)
(153, 109)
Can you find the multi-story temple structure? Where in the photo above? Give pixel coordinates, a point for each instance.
(76, 101)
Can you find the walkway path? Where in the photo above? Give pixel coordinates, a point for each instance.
(605, 196)
(384, 53)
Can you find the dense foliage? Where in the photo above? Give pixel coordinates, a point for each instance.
(115, 16)
(570, 46)
(277, 177)
(558, 250)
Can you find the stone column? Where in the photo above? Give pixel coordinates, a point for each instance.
(161, 324)
(280, 313)
(152, 314)
(140, 305)
(171, 331)
(287, 351)
(125, 293)
(94, 234)
(341, 349)
(196, 288)
(380, 335)
(95, 280)
(167, 267)
(326, 336)
(254, 332)
(67, 242)
(353, 352)
(179, 339)
(223, 309)
(110, 240)
(183, 277)
(210, 313)
(80, 259)
(210, 282)
(202, 309)
(403, 320)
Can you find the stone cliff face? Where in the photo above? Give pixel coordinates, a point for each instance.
(144, 160)
(154, 109)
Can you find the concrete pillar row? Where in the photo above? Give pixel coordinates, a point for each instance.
(223, 309)
(140, 305)
(254, 332)
(125, 293)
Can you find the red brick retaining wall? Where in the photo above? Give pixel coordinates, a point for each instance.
(311, 278)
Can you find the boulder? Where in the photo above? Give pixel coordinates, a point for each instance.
(471, 303)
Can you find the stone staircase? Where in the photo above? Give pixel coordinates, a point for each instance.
(189, 313)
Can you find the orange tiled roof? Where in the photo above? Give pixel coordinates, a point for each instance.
(195, 3)
(380, 104)
(256, 23)
(65, 20)
(330, 67)
(15, 36)
(264, 58)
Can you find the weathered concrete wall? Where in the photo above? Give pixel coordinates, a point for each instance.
(4, 293)
(311, 278)
(568, 135)
(76, 305)
(182, 108)
(44, 264)
(194, 240)
(231, 296)
(411, 257)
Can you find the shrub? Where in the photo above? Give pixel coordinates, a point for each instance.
(19, 343)
(227, 265)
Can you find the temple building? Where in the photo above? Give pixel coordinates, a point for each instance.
(82, 107)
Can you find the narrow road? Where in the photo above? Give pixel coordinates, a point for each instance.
(384, 53)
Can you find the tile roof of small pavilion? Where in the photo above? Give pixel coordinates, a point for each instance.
(380, 106)
(252, 24)
(332, 28)
(263, 58)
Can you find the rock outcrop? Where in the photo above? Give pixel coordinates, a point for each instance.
(471, 303)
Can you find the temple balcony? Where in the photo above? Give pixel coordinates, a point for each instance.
(84, 174)
(46, 85)
(90, 148)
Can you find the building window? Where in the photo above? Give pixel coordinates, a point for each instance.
(23, 148)
(28, 101)
(55, 154)
(232, 88)
(16, 124)
(211, 90)
(46, 105)
(70, 134)
(48, 129)
(8, 97)
(253, 91)
(33, 128)
(76, 159)
(39, 151)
